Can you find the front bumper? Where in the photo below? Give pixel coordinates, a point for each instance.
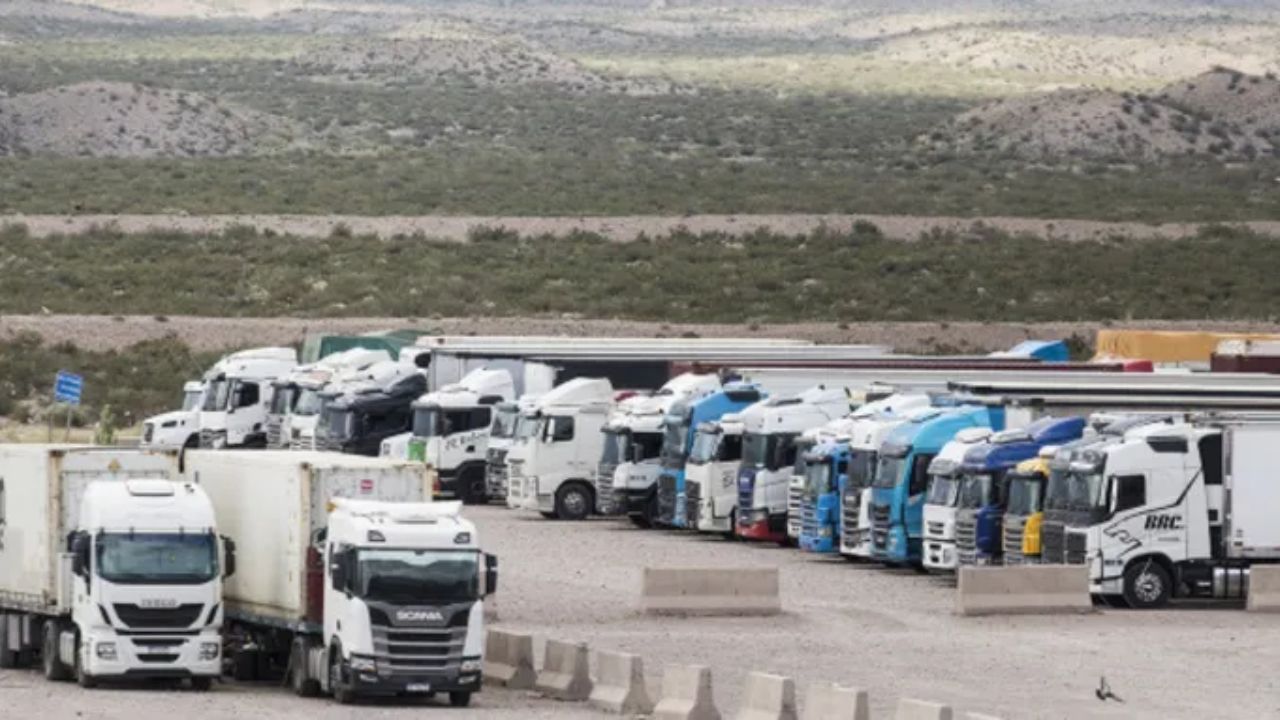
(708, 521)
(940, 554)
(633, 502)
(382, 682)
(150, 656)
(817, 543)
(760, 525)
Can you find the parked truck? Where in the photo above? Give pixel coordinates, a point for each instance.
(356, 417)
(351, 582)
(450, 433)
(1179, 509)
(110, 568)
(898, 492)
(237, 396)
(553, 462)
(800, 481)
(984, 495)
(176, 429)
(945, 480)
(632, 443)
(768, 456)
(1024, 511)
(502, 435)
(826, 475)
(294, 407)
(711, 475)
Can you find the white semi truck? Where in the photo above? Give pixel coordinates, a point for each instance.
(176, 429)
(942, 498)
(713, 467)
(237, 396)
(553, 463)
(295, 397)
(451, 432)
(351, 581)
(502, 436)
(632, 443)
(110, 568)
(1179, 510)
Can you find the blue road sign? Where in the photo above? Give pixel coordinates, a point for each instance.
(67, 387)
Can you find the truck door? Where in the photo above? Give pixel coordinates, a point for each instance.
(917, 486)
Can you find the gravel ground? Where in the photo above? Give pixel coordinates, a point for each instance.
(890, 632)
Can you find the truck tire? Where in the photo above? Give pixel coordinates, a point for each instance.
(341, 693)
(201, 684)
(302, 685)
(472, 489)
(8, 658)
(461, 698)
(574, 501)
(54, 669)
(83, 678)
(1147, 585)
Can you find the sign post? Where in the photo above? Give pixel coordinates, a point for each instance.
(67, 388)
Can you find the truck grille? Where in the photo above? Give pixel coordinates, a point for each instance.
(604, 489)
(966, 538)
(415, 650)
(1053, 543)
(275, 438)
(300, 442)
(850, 508)
(667, 498)
(746, 497)
(327, 444)
(880, 526)
(935, 529)
(795, 504)
(182, 616)
(808, 517)
(495, 472)
(1076, 543)
(692, 502)
(1014, 529)
(515, 479)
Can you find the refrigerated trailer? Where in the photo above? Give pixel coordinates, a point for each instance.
(109, 567)
(351, 581)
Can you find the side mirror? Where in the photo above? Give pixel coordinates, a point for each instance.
(490, 574)
(339, 567)
(80, 545)
(229, 557)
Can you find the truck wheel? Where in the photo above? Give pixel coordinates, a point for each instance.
(341, 693)
(83, 678)
(303, 686)
(54, 669)
(8, 658)
(201, 684)
(1147, 585)
(574, 502)
(460, 699)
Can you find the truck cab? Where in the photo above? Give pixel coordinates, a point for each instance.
(769, 456)
(825, 475)
(237, 397)
(177, 429)
(797, 486)
(632, 443)
(356, 418)
(502, 435)
(983, 494)
(711, 475)
(287, 391)
(940, 503)
(710, 402)
(559, 443)
(901, 481)
(451, 432)
(1024, 511)
(403, 601)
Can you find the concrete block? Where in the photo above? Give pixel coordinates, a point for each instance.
(565, 674)
(619, 684)
(1023, 590)
(768, 697)
(508, 660)
(686, 694)
(980, 716)
(827, 701)
(909, 709)
(1264, 589)
(710, 591)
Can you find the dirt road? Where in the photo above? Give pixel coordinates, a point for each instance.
(620, 228)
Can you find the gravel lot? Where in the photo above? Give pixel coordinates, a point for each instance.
(891, 632)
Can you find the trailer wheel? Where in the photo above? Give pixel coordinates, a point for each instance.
(303, 686)
(574, 502)
(8, 658)
(459, 699)
(54, 669)
(1147, 585)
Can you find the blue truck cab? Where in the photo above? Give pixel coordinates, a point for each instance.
(678, 434)
(984, 483)
(825, 476)
(901, 480)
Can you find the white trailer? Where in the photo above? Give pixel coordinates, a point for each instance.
(351, 581)
(109, 568)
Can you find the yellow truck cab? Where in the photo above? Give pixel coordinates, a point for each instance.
(1025, 508)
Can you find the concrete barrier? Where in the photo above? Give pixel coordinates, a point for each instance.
(909, 709)
(619, 684)
(564, 674)
(508, 660)
(827, 701)
(710, 591)
(1264, 589)
(686, 694)
(1023, 589)
(768, 697)
(980, 716)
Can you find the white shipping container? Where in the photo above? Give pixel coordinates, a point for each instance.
(40, 491)
(1252, 485)
(272, 503)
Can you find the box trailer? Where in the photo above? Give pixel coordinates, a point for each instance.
(325, 537)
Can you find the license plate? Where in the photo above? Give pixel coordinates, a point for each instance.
(418, 687)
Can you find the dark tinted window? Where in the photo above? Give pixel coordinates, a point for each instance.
(481, 418)
(392, 420)
(730, 448)
(561, 429)
(920, 474)
(248, 395)
(1131, 492)
(1211, 459)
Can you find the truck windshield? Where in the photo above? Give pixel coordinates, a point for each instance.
(1024, 494)
(944, 490)
(217, 395)
(975, 491)
(191, 400)
(862, 466)
(282, 399)
(889, 472)
(504, 421)
(528, 426)
(616, 442)
(309, 402)
(1057, 494)
(417, 577)
(1086, 491)
(157, 558)
(337, 424)
(817, 478)
(755, 450)
(705, 445)
(675, 436)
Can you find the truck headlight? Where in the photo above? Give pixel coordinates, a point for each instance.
(360, 663)
(470, 665)
(209, 650)
(105, 650)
